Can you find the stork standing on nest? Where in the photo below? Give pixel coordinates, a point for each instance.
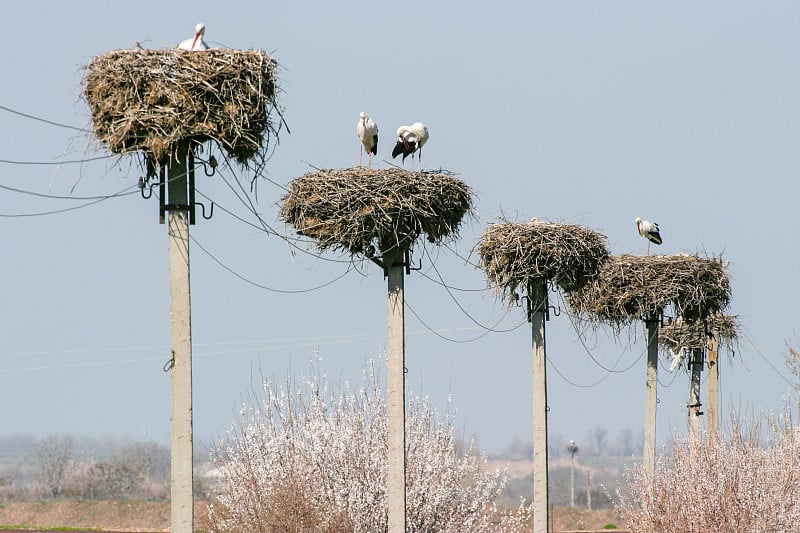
(367, 131)
(409, 140)
(196, 43)
(648, 230)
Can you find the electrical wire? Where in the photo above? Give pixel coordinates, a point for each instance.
(594, 359)
(123, 192)
(244, 198)
(668, 385)
(259, 285)
(52, 123)
(749, 340)
(66, 209)
(65, 162)
(574, 384)
(460, 341)
(465, 259)
(424, 275)
(461, 307)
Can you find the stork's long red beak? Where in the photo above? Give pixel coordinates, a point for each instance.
(196, 36)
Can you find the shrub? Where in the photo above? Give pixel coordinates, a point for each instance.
(303, 457)
(738, 484)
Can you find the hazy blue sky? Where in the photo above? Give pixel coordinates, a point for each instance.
(595, 113)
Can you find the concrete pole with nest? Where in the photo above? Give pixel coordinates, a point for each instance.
(396, 392)
(537, 315)
(712, 387)
(572, 449)
(181, 441)
(531, 255)
(338, 209)
(695, 362)
(651, 396)
(236, 116)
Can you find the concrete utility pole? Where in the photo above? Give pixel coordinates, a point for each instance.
(712, 387)
(651, 397)
(572, 449)
(696, 365)
(589, 490)
(537, 311)
(181, 478)
(396, 391)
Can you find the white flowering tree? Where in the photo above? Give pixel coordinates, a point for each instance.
(308, 457)
(741, 483)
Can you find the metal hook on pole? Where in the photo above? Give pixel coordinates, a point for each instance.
(212, 163)
(203, 209)
(144, 186)
(407, 261)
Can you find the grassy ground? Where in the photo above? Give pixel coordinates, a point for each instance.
(143, 516)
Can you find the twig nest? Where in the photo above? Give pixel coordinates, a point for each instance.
(362, 211)
(150, 100)
(515, 254)
(681, 334)
(632, 287)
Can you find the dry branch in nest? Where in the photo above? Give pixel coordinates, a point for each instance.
(151, 100)
(361, 210)
(681, 335)
(630, 288)
(515, 254)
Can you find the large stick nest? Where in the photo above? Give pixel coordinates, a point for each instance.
(361, 210)
(681, 334)
(151, 100)
(515, 254)
(630, 288)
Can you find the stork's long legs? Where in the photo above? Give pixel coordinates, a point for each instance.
(360, 155)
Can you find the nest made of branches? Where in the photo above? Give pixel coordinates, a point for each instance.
(516, 254)
(363, 211)
(632, 287)
(681, 334)
(152, 100)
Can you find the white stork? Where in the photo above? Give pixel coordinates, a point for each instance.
(409, 140)
(367, 131)
(648, 230)
(196, 43)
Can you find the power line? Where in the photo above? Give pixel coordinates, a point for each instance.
(57, 211)
(260, 286)
(65, 162)
(40, 119)
(764, 357)
(485, 332)
(668, 385)
(465, 259)
(124, 192)
(264, 226)
(574, 384)
(458, 304)
(591, 355)
(424, 275)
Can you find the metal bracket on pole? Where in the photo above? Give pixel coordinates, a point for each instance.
(404, 262)
(191, 186)
(162, 194)
(537, 307)
(407, 261)
(164, 206)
